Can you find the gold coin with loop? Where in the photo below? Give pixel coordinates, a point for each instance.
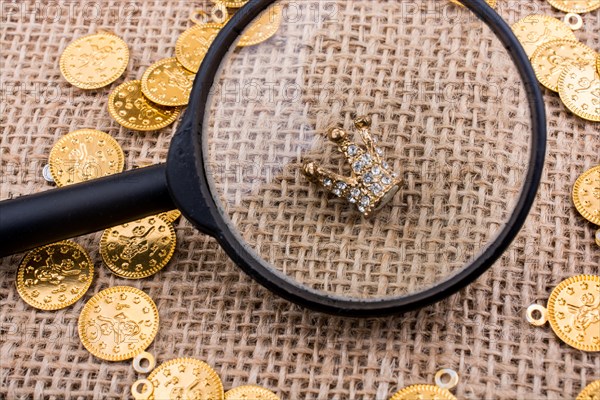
(535, 30)
(575, 6)
(131, 109)
(579, 89)
(55, 276)
(586, 195)
(168, 83)
(250, 392)
(94, 61)
(118, 323)
(590, 392)
(572, 311)
(439, 391)
(192, 45)
(84, 155)
(138, 249)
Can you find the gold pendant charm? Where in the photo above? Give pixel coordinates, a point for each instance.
(139, 249)
(579, 88)
(171, 216)
(575, 6)
(586, 195)
(118, 323)
(94, 61)
(83, 155)
(591, 392)
(193, 44)
(573, 311)
(55, 276)
(439, 391)
(250, 392)
(182, 378)
(535, 30)
(263, 28)
(372, 184)
(168, 83)
(131, 109)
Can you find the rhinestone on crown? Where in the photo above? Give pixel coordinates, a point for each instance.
(372, 183)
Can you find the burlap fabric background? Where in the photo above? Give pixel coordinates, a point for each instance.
(212, 311)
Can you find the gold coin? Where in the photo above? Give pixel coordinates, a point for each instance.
(55, 276)
(575, 6)
(598, 63)
(586, 195)
(551, 58)
(94, 61)
(168, 83)
(193, 44)
(171, 216)
(186, 378)
(118, 323)
(423, 392)
(231, 3)
(535, 30)
(263, 28)
(492, 3)
(597, 237)
(579, 89)
(130, 108)
(83, 155)
(574, 312)
(138, 249)
(250, 392)
(591, 392)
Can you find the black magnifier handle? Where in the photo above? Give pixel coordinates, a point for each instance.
(36, 220)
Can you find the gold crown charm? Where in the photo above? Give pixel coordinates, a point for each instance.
(372, 183)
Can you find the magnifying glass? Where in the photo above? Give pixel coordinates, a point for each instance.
(460, 123)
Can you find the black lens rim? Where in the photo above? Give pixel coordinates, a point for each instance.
(186, 175)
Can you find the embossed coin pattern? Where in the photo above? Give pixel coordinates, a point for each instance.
(186, 378)
(94, 61)
(586, 195)
(423, 392)
(535, 30)
(263, 28)
(579, 89)
(55, 276)
(250, 392)
(193, 44)
(171, 216)
(551, 58)
(83, 155)
(591, 392)
(118, 323)
(130, 108)
(138, 249)
(574, 312)
(168, 83)
(575, 6)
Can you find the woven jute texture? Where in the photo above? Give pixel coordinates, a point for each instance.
(452, 119)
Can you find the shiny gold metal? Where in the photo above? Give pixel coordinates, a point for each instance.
(551, 58)
(171, 216)
(118, 323)
(219, 13)
(263, 28)
(250, 392)
(130, 108)
(231, 3)
(535, 30)
(431, 392)
(83, 155)
(55, 276)
(586, 195)
(574, 21)
(193, 44)
(94, 61)
(139, 249)
(573, 311)
(575, 6)
(168, 83)
(598, 63)
(142, 390)
(597, 237)
(591, 392)
(543, 315)
(579, 89)
(186, 378)
(137, 362)
(372, 183)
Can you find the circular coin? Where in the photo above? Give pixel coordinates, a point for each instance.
(130, 108)
(94, 61)
(193, 44)
(579, 89)
(250, 392)
(263, 28)
(55, 276)
(535, 30)
(423, 392)
(551, 58)
(118, 323)
(186, 378)
(586, 195)
(171, 216)
(84, 155)
(575, 6)
(591, 392)
(138, 249)
(573, 312)
(168, 83)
